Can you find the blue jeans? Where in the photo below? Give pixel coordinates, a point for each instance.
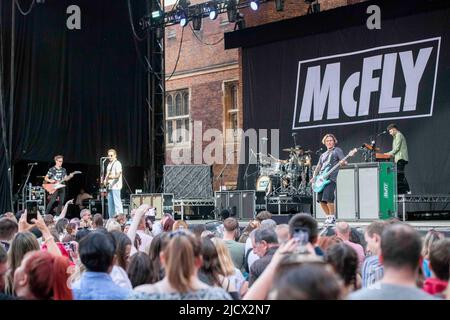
(114, 203)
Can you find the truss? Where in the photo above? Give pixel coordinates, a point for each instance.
(423, 198)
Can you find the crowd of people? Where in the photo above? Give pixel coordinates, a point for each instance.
(142, 258)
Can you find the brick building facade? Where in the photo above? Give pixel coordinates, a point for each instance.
(205, 85)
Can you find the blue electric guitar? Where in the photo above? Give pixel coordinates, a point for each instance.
(321, 180)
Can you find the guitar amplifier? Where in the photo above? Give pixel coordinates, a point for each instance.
(162, 202)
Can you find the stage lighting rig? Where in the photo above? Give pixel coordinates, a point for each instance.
(184, 12)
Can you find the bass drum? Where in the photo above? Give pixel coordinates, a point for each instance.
(264, 183)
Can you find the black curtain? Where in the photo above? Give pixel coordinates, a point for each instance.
(77, 92)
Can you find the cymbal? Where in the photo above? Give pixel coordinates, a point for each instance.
(291, 149)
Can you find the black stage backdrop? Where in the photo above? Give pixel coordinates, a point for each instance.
(77, 92)
(357, 76)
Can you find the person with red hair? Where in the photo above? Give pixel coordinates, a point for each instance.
(43, 276)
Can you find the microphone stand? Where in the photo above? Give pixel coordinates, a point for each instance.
(102, 173)
(246, 175)
(373, 145)
(223, 169)
(24, 186)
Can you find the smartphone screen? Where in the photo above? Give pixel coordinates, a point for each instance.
(32, 209)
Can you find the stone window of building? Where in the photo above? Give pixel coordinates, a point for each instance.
(231, 107)
(177, 117)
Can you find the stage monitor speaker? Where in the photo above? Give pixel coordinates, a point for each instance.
(346, 194)
(95, 206)
(188, 181)
(235, 203)
(221, 201)
(160, 201)
(247, 204)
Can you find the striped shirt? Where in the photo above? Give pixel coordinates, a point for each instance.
(372, 271)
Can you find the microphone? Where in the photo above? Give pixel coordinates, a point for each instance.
(319, 151)
(381, 133)
(294, 134)
(33, 164)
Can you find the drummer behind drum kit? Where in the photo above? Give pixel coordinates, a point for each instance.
(291, 176)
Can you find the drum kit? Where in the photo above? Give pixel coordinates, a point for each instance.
(290, 177)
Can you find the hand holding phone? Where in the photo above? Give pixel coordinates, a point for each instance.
(32, 210)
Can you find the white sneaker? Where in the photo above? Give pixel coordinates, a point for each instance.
(332, 220)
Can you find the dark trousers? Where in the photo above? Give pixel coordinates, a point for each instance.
(62, 195)
(402, 183)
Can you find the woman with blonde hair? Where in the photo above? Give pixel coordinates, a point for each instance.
(228, 269)
(180, 224)
(22, 243)
(181, 259)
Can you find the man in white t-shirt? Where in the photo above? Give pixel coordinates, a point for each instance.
(113, 182)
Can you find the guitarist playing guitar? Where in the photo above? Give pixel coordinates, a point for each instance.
(57, 175)
(324, 181)
(112, 181)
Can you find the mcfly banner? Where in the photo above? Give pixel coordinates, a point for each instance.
(350, 92)
(353, 82)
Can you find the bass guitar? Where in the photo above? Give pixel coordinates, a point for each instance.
(52, 187)
(321, 180)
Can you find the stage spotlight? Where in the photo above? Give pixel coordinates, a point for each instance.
(156, 14)
(232, 11)
(197, 23)
(213, 11)
(254, 4)
(183, 19)
(279, 5)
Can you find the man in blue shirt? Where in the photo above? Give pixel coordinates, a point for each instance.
(372, 269)
(97, 251)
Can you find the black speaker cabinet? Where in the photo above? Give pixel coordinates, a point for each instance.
(248, 204)
(241, 203)
(260, 201)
